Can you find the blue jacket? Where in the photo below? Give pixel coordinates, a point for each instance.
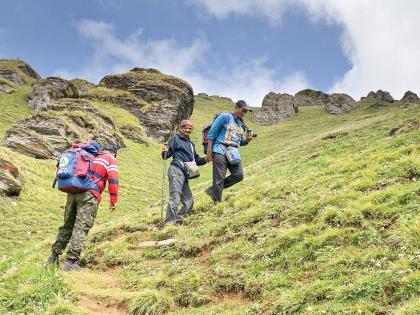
(226, 130)
(181, 151)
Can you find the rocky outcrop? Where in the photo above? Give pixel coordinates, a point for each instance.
(275, 108)
(339, 103)
(159, 101)
(12, 76)
(6, 88)
(83, 86)
(46, 91)
(11, 181)
(17, 71)
(310, 97)
(405, 127)
(45, 135)
(410, 97)
(379, 95)
(28, 70)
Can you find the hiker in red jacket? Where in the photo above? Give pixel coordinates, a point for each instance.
(81, 209)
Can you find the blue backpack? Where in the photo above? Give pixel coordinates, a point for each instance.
(74, 169)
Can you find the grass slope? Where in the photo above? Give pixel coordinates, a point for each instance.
(316, 227)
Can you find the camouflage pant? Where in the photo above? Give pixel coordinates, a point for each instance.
(79, 216)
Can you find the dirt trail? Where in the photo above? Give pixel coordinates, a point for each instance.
(94, 307)
(97, 291)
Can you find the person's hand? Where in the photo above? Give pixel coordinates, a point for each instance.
(165, 148)
(249, 136)
(209, 157)
(112, 206)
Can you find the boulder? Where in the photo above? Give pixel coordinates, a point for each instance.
(46, 91)
(275, 108)
(159, 101)
(340, 103)
(310, 97)
(45, 135)
(379, 95)
(410, 97)
(11, 181)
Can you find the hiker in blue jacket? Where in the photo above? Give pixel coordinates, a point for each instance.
(182, 150)
(226, 131)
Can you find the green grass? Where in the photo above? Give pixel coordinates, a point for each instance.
(13, 108)
(316, 227)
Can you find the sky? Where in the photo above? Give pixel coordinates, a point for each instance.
(242, 49)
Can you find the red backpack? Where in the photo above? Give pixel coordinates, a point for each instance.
(205, 133)
(74, 169)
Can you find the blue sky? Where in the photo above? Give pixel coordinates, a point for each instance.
(240, 49)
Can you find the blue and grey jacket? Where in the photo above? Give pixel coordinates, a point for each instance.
(226, 130)
(182, 150)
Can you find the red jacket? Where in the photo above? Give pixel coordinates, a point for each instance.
(105, 169)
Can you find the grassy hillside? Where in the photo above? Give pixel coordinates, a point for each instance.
(316, 227)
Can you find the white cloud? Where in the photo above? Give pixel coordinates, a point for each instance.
(248, 79)
(380, 37)
(112, 55)
(272, 9)
(251, 81)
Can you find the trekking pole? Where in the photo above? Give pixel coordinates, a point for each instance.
(163, 189)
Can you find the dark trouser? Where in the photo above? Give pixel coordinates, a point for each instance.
(79, 216)
(220, 165)
(179, 191)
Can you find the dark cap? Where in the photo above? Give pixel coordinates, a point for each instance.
(243, 104)
(111, 147)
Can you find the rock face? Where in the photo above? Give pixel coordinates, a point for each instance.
(410, 97)
(12, 76)
(6, 88)
(275, 108)
(310, 97)
(17, 71)
(28, 70)
(45, 135)
(10, 180)
(379, 95)
(83, 86)
(159, 101)
(406, 126)
(339, 103)
(46, 91)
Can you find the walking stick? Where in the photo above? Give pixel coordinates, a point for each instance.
(163, 190)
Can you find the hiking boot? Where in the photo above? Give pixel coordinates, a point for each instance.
(52, 260)
(209, 193)
(71, 265)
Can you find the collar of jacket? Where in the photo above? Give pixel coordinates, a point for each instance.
(183, 137)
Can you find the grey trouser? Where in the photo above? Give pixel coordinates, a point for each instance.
(179, 191)
(79, 216)
(220, 165)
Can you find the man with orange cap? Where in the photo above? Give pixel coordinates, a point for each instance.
(183, 152)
